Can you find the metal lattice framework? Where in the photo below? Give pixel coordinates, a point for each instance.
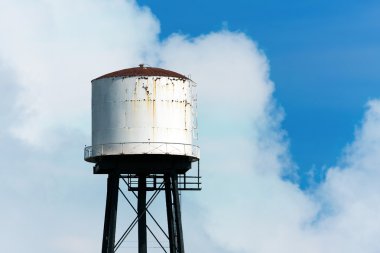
(138, 185)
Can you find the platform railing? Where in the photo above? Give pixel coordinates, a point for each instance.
(130, 148)
(154, 181)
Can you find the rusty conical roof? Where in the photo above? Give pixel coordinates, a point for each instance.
(142, 71)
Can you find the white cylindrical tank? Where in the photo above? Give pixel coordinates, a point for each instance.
(143, 110)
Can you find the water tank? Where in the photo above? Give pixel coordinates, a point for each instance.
(140, 113)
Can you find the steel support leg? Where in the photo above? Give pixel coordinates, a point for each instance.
(169, 211)
(141, 212)
(177, 211)
(110, 214)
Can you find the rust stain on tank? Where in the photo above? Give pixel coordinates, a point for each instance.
(154, 88)
(134, 96)
(154, 101)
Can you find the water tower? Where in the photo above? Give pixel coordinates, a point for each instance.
(143, 131)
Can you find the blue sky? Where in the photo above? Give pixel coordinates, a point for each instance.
(287, 90)
(324, 58)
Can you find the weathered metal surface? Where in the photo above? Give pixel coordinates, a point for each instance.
(142, 114)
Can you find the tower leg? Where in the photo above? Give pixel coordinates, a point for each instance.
(141, 212)
(169, 211)
(177, 211)
(110, 214)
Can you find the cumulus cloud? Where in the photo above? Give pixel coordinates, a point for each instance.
(268, 214)
(246, 205)
(350, 191)
(56, 47)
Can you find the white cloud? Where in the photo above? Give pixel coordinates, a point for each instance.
(235, 94)
(245, 206)
(56, 47)
(350, 191)
(267, 214)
